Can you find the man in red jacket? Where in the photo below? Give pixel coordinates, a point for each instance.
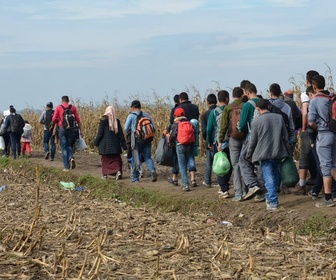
(67, 119)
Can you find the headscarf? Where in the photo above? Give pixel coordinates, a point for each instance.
(112, 119)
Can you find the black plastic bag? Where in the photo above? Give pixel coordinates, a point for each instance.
(164, 153)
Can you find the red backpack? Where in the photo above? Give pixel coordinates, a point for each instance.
(185, 133)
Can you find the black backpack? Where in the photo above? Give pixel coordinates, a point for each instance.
(48, 117)
(274, 109)
(69, 121)
(16, 123)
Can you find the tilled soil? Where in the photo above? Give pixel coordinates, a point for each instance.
(50, 233)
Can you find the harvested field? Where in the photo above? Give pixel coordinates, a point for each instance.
(51, 233)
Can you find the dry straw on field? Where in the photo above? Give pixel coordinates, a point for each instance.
(50, 233)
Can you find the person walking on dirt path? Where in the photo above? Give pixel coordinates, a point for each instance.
(247, 167)
(49, 145)
(67, 119)
(111, 140)
(228, 127)
(192, 114)
(212, 104)
(14, 124)
(212, 142)
(268, 145)
(318, 118)
(138, 146)
(306, 158)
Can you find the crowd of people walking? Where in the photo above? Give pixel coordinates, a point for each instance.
(255, 133)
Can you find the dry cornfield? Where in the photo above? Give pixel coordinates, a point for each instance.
(50, 233)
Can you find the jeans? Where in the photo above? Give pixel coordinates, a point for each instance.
(184, 153)
(246, 167)
(65, 137)
(235, 147)
(145, 149)
(15, 143)
(191, 163)
(48, 138)
(271, 173)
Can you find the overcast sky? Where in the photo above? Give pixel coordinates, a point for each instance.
(90, 50)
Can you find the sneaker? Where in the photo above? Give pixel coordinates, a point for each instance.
(313, 195)
(237, 198)
(72, 163)
(270, 207)
(325, 203)
(154, 176)
(66, 169)
(104, 177)
(52, 159)
(260, 197)
(193, 184)
(225, 195)
(47, 154)
(206, 184)
(118, 176)
(173, 182)
(135, 180)
(251, 192)
(141, 174)
(186, 188)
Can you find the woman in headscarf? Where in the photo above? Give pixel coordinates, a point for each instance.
(110, 140)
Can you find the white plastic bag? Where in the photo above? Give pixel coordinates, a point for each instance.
(80, 144)
(2, 143)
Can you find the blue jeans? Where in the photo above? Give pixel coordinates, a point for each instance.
(146, 150)
(48, 138)
(272, 176)
(191, 163)
(184, 153)
(65, 137)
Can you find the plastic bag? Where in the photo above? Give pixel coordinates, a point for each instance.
(289, 173)
(221, 164)
(80, 144)
(164, 153)
(2, 143)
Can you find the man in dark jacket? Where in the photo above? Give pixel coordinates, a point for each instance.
(14, 124)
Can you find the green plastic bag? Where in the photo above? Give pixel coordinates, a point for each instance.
(221, 164)
(289, 173)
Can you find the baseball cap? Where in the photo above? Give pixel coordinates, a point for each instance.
(136, 104)
(179, 112)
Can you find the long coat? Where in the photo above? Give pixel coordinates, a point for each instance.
(109, 142)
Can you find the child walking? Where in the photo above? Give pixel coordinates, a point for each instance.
(26, 139)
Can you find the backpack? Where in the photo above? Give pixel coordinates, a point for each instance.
(234, 121)
(255, 114)
(48, 117)
(332, 111)
(16, 124)
(219, 112)
(185, 133)
(296, 113)
(27, 132)
(69, 121)
(274, 109)
(145, 129)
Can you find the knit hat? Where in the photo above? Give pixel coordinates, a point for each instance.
(179, 112)
(289, 93)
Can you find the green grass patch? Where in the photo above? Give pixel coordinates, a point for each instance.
(316, 225)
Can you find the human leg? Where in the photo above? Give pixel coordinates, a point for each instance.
(146, 150)
(181, 153)
(208, 166)
(270, 169)
(235, 147)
